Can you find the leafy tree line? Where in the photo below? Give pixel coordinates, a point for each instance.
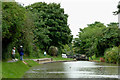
(96, 38)
(99, 40)
(37, 27)
(50, 19)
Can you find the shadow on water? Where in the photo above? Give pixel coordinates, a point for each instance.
(74, 70)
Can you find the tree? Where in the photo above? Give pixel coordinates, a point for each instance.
(17, 28)
(51, 25)
(109, 38)
(96, 38)
(12, 23)
(87, 39)
(27, 38)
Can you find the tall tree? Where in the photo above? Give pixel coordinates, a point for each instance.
(51, 25)
(96, 38)
(12, 23)
(88, 37)
(17, 28)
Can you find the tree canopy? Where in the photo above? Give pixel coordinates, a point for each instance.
(96, 38)
(12, 24)
(36, 27)
(51, 25)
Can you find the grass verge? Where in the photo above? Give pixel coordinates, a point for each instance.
(58, 58)
(16, 69)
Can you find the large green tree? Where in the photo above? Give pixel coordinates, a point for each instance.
(96, 38)
(12, 23)
(17, 28)
(109, 38)
(51, 25)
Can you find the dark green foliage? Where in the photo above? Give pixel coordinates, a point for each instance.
(35, 27)
(12, 24)
(109, 38)
(51, 25)
(17, 29)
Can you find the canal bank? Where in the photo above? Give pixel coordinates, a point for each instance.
(16, 69)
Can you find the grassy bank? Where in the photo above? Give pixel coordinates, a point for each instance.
(16, 69)
(55, 58)
(60, 58)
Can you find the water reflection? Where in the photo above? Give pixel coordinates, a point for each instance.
(85, 69)
(78, 69)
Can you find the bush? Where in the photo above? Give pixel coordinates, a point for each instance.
(53, 51)
(111, 55)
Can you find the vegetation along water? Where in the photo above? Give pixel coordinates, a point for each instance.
(41, 27)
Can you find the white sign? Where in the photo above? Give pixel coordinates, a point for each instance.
(64, 56)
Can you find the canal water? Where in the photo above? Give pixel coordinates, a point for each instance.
(75, 69)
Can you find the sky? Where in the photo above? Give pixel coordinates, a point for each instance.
(83, 12)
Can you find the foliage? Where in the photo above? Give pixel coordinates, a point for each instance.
(17, 29)
(51, 27)
(111, 55)
(96, 38)
(53, 51)
(27, 39)
(88, 37)
(35, 27)
(109, 38)
(117, 12)
(12, 24)
(67, 49)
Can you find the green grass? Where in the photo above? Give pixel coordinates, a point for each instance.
(60, 58)
(16, 69)
(41, 56)
(0, 70)
(57, 58)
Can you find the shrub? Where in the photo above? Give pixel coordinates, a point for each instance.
(111, 55)
(53, 51)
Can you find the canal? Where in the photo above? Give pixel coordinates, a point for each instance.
(75, 69)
